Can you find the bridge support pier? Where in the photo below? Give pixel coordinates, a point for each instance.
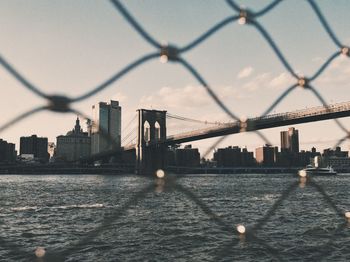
(150, 152)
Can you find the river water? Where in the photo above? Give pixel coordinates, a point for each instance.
(189, 218)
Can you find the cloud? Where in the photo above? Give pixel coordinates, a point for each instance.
(188, 97)
(245, 72)
(282, 80)
(267, 80)
(260, 81)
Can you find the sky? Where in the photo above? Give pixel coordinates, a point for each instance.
(69, 47)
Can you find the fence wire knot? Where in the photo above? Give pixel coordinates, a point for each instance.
(303, 82)
(345, 51)
(245, 16)
(169, 52)
(243, 124)
(59, 103)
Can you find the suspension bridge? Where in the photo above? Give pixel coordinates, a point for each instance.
(146, 133)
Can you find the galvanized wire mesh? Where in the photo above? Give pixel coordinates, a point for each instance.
(172, 53)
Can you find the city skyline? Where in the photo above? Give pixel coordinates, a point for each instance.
(286, 141)
(288, 133)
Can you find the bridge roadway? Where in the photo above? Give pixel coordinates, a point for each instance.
(275, 120)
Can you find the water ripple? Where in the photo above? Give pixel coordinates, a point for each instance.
(56, 212)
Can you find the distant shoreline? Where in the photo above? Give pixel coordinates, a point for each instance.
(54, 170)
(114, 170)
(242, 170)
(233, 170)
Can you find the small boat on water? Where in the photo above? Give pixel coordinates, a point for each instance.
(317, 171)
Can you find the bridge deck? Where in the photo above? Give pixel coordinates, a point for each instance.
(297, 117)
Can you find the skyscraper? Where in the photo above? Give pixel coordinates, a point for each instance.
(106, 126)
(290, 140)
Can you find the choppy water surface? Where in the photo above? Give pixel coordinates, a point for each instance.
(130, 218)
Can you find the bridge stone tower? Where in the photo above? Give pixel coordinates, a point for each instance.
(150, 152)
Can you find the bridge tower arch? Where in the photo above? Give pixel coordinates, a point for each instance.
(150, 152)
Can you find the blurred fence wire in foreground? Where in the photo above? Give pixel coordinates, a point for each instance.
(172, 53)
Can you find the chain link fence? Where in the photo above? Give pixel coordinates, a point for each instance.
(174, 54)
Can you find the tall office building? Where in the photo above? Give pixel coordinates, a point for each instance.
(106, 125)
(266, 155)
(36, 146)
(290, 140)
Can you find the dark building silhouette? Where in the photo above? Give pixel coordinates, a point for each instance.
(247, 158)
(228, 157)
(170, 157)
(233, 156)
(36, 146)
(290, 141)
(285, 159)
(7, 152)
(301, 159)
(337, 158)
(338, 163)
(266, 155)
(183, 157)
(289, 155)
(74, 145)
(335, 153)
(305, 157)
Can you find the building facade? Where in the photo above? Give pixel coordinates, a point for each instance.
(305, 157)
(233, 156)
(183, 157)
(36, 146)
(75, 145)
(338, 163)
(266, 155)
(290, 141)
(7, 152)
(335, 153)
(105, 126)
(337, 158)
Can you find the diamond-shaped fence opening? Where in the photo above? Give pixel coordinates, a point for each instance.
(244, 236)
